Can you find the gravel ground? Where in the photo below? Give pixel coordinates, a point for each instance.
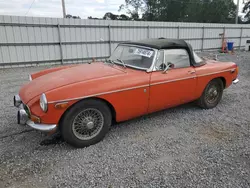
(179, 147)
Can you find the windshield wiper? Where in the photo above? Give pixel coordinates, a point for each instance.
(110, 61)
(122, 62)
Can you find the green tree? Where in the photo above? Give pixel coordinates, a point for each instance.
(219, 11)
(111, 16)
(210, 11)
(133, 7)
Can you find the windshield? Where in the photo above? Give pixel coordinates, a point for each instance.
(133, 56)
(197, 58)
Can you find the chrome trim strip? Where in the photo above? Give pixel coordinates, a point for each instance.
(215, 73)
(134, 45)
(104, 93)
(153, 62)
(116, 91)
(131, 66)
(158, 83)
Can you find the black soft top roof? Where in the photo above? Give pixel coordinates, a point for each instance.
(160, 43)
(163, 43)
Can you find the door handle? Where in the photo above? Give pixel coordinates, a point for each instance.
(191, 72)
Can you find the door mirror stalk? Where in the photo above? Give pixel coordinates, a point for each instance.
(169, 65)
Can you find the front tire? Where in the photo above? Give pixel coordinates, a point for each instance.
(86, 123)
(212, 94)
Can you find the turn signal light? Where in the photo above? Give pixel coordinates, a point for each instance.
(35, 119)
(237, 70)
(61, 105)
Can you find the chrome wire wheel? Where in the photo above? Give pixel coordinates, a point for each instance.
(88, 124)
(212, 95)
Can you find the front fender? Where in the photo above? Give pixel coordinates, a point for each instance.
(52, 116)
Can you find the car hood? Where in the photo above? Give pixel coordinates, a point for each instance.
(63, 77)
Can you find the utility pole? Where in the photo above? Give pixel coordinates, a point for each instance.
(237, 12)
(63, 8)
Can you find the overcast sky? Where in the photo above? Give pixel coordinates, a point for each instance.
(53, 8)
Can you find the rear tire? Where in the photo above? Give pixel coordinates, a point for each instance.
(86, 123)
(212, 94)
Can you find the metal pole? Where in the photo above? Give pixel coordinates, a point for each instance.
(241, 32)
(237, 12)
(203, 36)
(64, 9)
(60, 43)
(148, 31)
(110, 47)
(178, 32)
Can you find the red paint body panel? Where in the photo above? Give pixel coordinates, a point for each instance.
(175, 87)
(52, 116)
(214, 70)
(64, 77)
(46, 71)
(129, 104)
(131, 92)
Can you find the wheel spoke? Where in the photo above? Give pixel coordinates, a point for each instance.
(87, 124)
(212, 94)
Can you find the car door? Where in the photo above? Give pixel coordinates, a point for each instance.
(177, 85)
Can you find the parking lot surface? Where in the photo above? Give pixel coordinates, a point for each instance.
(179, 147)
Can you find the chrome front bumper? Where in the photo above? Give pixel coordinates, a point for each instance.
(23, 118)
(236, 81)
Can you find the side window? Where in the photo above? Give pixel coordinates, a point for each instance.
(178, 57)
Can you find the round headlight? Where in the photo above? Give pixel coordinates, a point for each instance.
(43, 103)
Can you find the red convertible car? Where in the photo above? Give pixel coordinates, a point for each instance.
(140, 77)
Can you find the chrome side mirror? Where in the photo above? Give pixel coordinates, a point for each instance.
(169, 65)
